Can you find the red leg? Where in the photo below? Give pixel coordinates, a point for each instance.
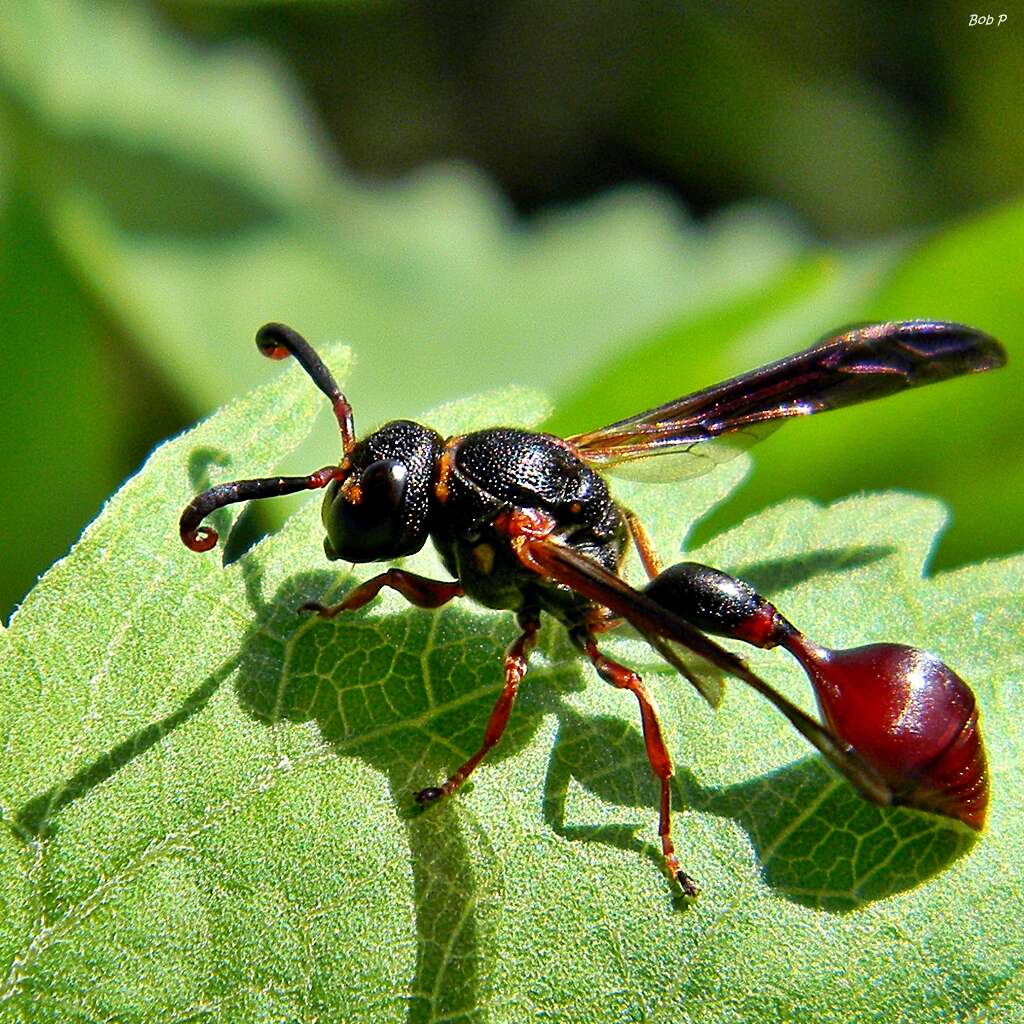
(657, 753)
(644, 548)
(417, 590)
(515, 668)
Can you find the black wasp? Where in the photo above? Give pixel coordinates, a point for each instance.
(524, 521)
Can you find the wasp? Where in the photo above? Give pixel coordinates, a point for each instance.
(524, 521)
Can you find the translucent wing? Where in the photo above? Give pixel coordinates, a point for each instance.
(682, 462)
(707, 679)
(858, 365)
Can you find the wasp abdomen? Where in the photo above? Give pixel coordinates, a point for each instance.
(718, 603)
(906, 714)
(910, 717)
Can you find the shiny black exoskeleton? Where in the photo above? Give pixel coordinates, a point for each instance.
(493, 471)
(412, 484)
(393, 469)
(523, 521)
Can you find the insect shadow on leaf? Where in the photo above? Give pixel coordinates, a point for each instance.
(817, 842)
(777, 574)
(406, 693)
(35, 818)
(286, 672)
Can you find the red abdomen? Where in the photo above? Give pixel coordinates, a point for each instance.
(912, 718)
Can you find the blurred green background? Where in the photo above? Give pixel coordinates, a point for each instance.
(615, 202)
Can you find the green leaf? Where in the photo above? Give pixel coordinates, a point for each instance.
(59, 340)
(208, 797)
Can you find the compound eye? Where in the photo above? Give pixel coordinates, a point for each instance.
(383, 486)
(372, 527)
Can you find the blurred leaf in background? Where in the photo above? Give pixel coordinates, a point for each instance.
(196, 204)
(962, 440)
(171, 179)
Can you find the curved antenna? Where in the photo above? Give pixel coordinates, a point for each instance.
(202, 538)
(277, 341)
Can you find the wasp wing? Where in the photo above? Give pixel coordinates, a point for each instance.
(707, 679)
(677, 462)
(858, 365)
(661, 627)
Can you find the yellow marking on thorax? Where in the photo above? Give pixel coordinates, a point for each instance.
(483, 559)
(444, 469)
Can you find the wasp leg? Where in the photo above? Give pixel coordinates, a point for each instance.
(417, 590)
(644, 548)
(516, 664)
(657, 753)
